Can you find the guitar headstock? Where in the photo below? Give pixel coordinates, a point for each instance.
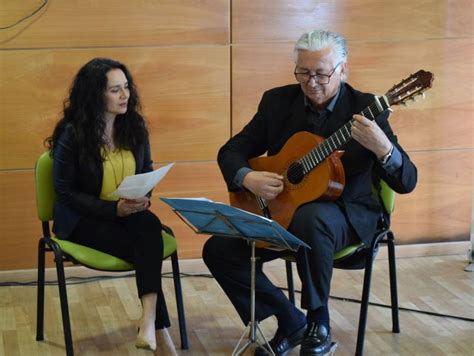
(410, 87)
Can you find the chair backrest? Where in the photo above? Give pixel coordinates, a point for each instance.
(355, 256)
(76, 253)
(386, 197)
(44, 187)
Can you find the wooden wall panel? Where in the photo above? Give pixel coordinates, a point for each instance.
(181, 55)
(373, 20)
(256, 68)
(442, 120)
(75, 23)
(439, 209)
(185, 94)
(20, 228)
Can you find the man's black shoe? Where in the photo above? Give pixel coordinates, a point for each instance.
(317, 340)
(281, 343)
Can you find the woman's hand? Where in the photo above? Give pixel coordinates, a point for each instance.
(125, 207)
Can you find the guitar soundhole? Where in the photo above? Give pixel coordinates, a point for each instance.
(295, 173)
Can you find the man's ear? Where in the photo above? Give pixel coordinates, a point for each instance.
(344, 71)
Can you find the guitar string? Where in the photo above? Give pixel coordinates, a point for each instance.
(326, 144)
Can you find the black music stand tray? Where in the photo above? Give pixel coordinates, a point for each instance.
(208, 217)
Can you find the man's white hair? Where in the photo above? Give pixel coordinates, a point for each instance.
(319, 39)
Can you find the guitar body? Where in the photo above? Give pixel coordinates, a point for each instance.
(326, 181)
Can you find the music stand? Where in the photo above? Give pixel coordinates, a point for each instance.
(208, 217)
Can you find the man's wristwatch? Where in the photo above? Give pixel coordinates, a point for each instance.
(385, 158)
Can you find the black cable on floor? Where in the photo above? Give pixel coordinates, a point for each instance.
(81, 280)
(351, 300)
(69, 280)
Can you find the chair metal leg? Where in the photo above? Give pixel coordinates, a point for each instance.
(364, 304)
(393, 282)
(179, 301)
(289, 279)
(63, 298)
(40, 292)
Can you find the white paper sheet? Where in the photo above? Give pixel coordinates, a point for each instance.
(137, 186)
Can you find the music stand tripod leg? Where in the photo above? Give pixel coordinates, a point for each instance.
(252, 326)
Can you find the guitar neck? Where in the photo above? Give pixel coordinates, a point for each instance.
(341, 136)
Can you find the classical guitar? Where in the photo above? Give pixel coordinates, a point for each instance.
(311, 165)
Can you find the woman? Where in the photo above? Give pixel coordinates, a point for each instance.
(101, 139)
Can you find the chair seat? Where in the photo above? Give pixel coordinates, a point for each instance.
(345, 252)
(102, 261)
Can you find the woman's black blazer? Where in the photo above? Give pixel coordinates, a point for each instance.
(78, 182)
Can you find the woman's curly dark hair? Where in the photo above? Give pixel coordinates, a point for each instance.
(84, 112)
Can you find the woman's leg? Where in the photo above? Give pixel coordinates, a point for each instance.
(146, 326)
(155, 320)
(136, 239)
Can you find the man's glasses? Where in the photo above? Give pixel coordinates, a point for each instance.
(305, 77)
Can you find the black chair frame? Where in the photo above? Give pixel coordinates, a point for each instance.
(383, 235)
(46, 244)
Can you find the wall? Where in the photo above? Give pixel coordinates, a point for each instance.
(201, 68)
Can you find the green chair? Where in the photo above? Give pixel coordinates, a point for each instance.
(360, 256)
(67, 251)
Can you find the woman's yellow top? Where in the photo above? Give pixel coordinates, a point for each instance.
(118, 164)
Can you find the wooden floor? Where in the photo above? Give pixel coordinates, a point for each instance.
(103, 313)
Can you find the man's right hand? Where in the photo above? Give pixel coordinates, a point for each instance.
(264, 184)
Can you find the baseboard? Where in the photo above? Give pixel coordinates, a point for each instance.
(429, 249)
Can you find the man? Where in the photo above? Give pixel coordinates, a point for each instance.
(321, 103)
